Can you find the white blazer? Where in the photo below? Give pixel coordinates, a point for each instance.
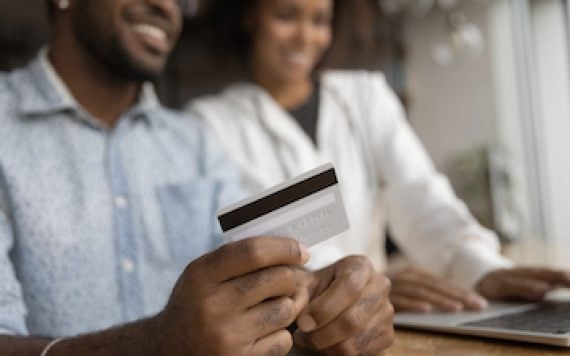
(384, 173)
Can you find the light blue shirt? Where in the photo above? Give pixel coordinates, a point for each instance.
(96, 225)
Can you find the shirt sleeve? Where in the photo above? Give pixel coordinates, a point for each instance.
(224, 171)
(12, 309)
(427, 220)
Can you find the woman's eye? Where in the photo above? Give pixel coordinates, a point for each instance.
(285, 16)
(322, 20)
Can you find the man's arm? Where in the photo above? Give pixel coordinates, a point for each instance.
(138, 338)
(22, 346)
(237, 300)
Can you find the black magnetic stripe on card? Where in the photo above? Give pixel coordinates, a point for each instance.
(277, 200)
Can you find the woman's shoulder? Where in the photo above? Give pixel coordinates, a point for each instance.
(360, 85)
(354, 77)
(235, 98)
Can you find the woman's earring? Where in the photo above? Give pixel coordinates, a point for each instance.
(63, 4)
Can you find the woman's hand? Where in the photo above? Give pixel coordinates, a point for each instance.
(416, 290)
(522, 283)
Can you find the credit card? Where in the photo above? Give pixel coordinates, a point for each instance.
(308, 208)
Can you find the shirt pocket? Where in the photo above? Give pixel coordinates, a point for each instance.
(189, 218)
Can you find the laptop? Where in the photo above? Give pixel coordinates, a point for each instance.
(546, 322)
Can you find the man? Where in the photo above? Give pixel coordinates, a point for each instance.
(105, 197)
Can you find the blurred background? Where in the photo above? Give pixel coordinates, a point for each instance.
(486, 84)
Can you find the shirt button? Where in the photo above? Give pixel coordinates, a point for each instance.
(121, 201)
(128, 265)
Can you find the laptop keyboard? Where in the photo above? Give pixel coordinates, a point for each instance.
(549, 318)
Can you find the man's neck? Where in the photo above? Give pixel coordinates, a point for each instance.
(93, 87)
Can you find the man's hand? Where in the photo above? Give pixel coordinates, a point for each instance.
(349, 312)
(415, 290)
(522, 283)
(237, 300)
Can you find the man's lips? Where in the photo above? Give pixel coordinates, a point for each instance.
(153, 37)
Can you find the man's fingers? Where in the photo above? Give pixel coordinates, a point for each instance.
(279, 342)
(377, 336)
(351, 276)
(362, 341)
(300, 300)
(244, 256)
(268, 317)
(378, 344)
(354, 318)
(250, 289)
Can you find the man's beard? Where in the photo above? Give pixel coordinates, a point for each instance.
(105, 46)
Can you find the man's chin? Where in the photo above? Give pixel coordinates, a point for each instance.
(143, 76)
(139, 73)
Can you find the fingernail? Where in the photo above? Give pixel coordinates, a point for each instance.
(478, 301)
(304, 253)
(306, 323)
(457, 307)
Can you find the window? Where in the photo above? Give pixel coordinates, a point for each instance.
(541, 92)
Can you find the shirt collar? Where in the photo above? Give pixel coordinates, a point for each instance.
(43, 92)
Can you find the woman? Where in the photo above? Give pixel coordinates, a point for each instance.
(289, 117)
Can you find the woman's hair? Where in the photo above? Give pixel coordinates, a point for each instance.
(222, 29)
(50, 9)
(221, 26)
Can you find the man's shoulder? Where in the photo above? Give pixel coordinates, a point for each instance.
(11, 131)
(13, 86)
(10, 94)
(7, 88)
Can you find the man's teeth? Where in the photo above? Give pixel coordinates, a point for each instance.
(151, 31)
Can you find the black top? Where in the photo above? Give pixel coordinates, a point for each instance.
(307, 114)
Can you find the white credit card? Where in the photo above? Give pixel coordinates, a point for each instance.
(308, 208)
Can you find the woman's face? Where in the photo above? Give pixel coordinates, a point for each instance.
(289, 37)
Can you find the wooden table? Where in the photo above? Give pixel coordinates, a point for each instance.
(412, 343)
(419, 343)
(528, 252)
